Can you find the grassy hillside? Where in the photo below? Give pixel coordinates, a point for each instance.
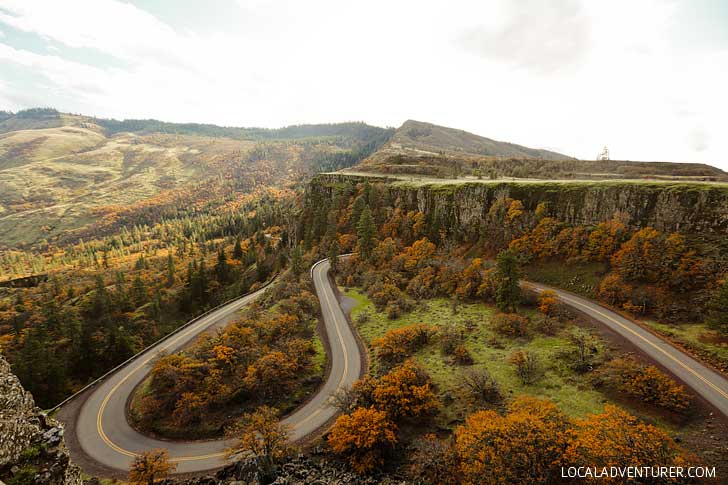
(61, 173)
(419, 136)
(424, 149)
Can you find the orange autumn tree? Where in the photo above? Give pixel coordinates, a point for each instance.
(270, 373)
(418, 254)
(263, 435)
(406, 391)
(547, 302)
(616, 438)
(399, 343)
(645, 382)
(470, 280)
(539, 242)
(524, 446)
(639, 258)
(605, 239)
(363, 436)
(150, 466)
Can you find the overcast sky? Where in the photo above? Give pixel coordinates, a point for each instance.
(646, 78)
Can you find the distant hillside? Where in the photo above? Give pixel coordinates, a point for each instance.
(61, 172)
(425, 149)
(419, 136)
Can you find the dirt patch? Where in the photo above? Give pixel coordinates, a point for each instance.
(713, 338)
(347, 304)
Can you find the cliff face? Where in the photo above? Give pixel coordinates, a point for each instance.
(31, 443)
(690, 208)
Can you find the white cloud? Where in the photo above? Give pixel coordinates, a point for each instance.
(542, 36)
(573, 78)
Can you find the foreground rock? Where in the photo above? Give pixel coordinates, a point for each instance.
(297, 471)
(31, 448)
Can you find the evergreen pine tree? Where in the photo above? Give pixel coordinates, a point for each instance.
(507, 291)
(170, 270)
(238, 250)
(101, 302)
(202, 276)
(297, 261)
(139, 292)
(718, 309)
(366, 231)
(222, 268)
(251, 256)
(333, 254)
(141, 263)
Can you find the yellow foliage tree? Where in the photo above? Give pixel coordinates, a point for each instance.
(616, 438)
(524, 446)
(261, 434)
(150, 466)
(363, 436)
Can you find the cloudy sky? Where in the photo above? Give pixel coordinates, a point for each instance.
(648, 79)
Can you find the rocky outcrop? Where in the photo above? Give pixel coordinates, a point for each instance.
(690, 208)
(302, 470)
(31, 443)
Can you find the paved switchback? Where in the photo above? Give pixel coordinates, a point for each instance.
(704, 381)
(107, 438)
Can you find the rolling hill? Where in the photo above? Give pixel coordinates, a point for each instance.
(426, 137)
(424, 149)
(60, 173)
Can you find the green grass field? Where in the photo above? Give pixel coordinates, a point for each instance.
(697, 337)
(489, 350)
(582, 279)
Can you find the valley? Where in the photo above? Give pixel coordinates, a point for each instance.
(388, 361)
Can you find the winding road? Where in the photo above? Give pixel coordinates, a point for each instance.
(106, 437)
(704, 381)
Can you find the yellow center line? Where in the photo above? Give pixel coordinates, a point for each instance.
(119, 449)
(99, 416)
(652, 344)
(346, 362)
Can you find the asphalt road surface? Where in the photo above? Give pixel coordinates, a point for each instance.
(707, 383)
(107, 438)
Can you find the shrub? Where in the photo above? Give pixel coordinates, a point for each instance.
(363, 437)
(462, 355)
(261, 434)
(647, 383)
(150, 466)
(527, 366)
(546, 325)
(384, 294)
(433, 461)
(405, 392)
(481, 387)
(393, 311)
(524, 446)
(585, 348)
(422, 285)
(511, 325)
(616, 438)
(450, 338)
(548, 303)
(398, 344)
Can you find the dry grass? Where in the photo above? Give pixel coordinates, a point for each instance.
(52, 179)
